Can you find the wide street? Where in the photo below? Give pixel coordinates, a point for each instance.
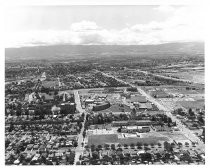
(79, 149)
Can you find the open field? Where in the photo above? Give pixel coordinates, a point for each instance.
(102, 139)
(175, 135)
(113, 138)
(196, 76)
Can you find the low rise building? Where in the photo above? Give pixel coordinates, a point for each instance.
(134, 129)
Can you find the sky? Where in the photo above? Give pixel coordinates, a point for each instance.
(96, 25)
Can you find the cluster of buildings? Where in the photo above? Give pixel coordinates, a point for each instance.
(140, 122)
(43, 123)
(41, 127)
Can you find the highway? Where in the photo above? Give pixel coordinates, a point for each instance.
(188, 133)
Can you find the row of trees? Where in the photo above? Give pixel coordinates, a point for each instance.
(113, 146)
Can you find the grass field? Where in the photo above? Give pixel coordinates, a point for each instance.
(113, 138)
(175, 135)
(192, 104)
(102, 139)
(149, 140)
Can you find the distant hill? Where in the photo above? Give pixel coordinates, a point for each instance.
(74, 52)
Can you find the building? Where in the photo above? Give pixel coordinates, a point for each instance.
(103, 126)
(67, 108)
(133, 122)
(88, 101)
(158, 128)
(159, 94)
(102, 106)
(143, 106)
(134, 129)
(138, 98)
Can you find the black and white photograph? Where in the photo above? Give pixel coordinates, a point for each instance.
(102, 84)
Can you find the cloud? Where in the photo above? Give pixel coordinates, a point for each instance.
(185, 24)
(84, 26)
(165, 8)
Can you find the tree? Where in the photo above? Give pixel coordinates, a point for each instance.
(167, 145)
(99, 147)
(56, 92)
(146, 148)
(179, 143)
(119, 149)
(159, 144)
(179, 110)
(153, 118)
(169, 120)
(80, 125)
(106, 146)
(78, 163)
(7, 142)
(87, 147)
(11, 127)
(84, 134)
(201, 119)
(75, 144)
(191, 113)
(173, 144)
(125, 145)
(119, 145)
(146, 157)
(95, 155)
(119, 130)
(132, 145)
(139, 144)
(92, 147)
(152, 145)
(113, 146)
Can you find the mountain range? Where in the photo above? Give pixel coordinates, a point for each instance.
(81, 52)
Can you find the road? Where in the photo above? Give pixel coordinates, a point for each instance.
(188, 133)
(78, 102)
(79, 149)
